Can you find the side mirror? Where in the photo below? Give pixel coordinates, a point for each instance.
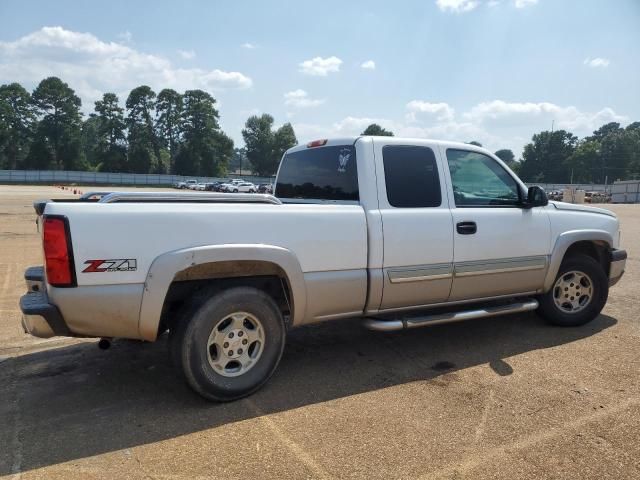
(536, 197)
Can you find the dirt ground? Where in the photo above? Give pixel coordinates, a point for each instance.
(506, 398)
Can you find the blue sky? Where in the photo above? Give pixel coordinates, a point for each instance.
(496, 71)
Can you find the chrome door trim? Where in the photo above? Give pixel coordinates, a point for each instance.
(503, 265)
(417, 273)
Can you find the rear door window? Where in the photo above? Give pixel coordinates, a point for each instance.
(411, 176)
(321, 173)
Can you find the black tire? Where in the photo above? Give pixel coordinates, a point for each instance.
(190, 352)
(235, 190)
(600, 291)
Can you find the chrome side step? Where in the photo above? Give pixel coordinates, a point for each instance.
(382, 325)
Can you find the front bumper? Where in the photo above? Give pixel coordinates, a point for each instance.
(618, 263)
(39, 317)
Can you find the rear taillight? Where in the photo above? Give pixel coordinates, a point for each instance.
(57, 252)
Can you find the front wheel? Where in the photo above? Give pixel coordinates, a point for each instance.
(578, 295)
(229, 344)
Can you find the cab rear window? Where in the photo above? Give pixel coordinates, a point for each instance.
(323, 173)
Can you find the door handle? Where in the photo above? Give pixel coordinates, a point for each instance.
(466, 228)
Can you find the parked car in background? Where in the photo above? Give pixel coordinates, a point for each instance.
(212, 186)
(597, 197)
(230, 185)
(244, 187)
(187, 184)
(265, 188)
(201, 187)
(555, 195)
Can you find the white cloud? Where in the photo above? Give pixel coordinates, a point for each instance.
(597, 62)
(496, 124)
(125, 37)
(440, 111)
(348, 126)
(187, 54)
(356, 125)
(368, 65)
(462, 6)
(92, 66)
(457, 6)
(249, 46)
(499, 113)
(524, 3)
(299, 98)
(321, 67)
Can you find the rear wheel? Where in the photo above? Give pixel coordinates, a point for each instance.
(579, 292)
(229, 344)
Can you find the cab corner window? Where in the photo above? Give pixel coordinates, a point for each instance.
(323, 173)
(479, 181)
(411, 176)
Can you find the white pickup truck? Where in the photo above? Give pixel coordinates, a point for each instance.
(399, 232)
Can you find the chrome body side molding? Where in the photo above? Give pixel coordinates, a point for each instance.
(419, 273)
(502, 265)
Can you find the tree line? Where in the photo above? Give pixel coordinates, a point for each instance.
(168, 132)
(610, 153)
(179, 133)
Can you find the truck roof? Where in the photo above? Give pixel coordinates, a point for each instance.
(349, 140)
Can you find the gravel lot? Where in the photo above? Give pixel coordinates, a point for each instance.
(505, 398)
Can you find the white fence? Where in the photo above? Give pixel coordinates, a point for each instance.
(626, 191)
(105, 178)
(621, 191)
(559, 187)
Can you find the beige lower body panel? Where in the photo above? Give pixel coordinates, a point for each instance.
(498, 277)
(494, 284)
(434, 284)
(335, 294)
(416, 285)
(100, 310)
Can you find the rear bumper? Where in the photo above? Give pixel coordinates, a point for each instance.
(34, 276)
(87, 311)
(618, 263)
(39, 317)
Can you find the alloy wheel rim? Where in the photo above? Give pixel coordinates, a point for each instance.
(235, 344)
(573, 291)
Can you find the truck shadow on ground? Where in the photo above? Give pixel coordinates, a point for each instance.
(78, 401)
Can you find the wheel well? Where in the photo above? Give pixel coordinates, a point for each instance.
(597, 250)
(217, 276)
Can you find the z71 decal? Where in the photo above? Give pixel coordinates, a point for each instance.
(114, 265)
